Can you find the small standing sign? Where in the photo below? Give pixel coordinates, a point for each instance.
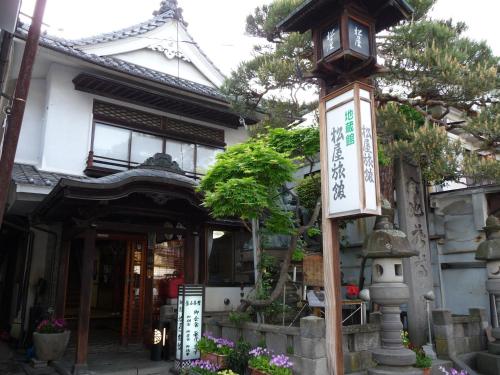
(353, 180)
(190, 306)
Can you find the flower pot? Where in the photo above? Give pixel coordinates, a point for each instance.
(256, 372)
(219, 360)
(426, 371)
(50, 346)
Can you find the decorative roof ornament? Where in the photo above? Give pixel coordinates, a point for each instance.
(171, 9)
(163, 162)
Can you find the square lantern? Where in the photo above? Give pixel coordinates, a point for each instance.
(343, 33)
(351, 152)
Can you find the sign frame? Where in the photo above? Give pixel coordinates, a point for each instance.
(356, 87)
(186, 290)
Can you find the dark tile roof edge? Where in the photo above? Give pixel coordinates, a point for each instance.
(27, 174)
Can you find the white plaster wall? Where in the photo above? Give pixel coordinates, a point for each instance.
(234, 136)
(214, 298)
(157, 61)
(30, 146)
(68, 125)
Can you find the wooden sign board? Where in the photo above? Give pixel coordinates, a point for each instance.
(312, 267)
(352, 172)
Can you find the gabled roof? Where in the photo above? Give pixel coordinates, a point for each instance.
(65, 47)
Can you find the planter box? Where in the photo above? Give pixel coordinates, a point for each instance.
(256, 372)
(217, 359)
(50, 346)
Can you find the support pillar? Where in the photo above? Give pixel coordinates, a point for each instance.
(189, 257)
(82, 340)
(148, 290)
(412, 218)
(62, 277)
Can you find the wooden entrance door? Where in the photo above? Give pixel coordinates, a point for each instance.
(134, 292)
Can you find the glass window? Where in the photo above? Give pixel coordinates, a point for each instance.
(229, 260)
(205, 157)
(182, 153)
(144, 146)
(111, 142)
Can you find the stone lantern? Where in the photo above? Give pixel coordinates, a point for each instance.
(489, 251)
(387, 247)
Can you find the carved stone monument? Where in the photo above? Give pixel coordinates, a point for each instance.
(387, 247)
(412, 218)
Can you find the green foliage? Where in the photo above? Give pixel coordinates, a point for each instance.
(297, 142)
(309, 190)
(298, 255)
(239, 318)
(245, 182)
(422, 360)
(238, 358)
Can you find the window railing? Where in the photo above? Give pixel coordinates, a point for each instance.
(98, 166)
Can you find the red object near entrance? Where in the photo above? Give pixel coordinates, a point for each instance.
(173, 286)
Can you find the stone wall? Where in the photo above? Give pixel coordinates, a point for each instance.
(305, 344)
(459, 334)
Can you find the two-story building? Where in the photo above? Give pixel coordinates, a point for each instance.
(103, 207)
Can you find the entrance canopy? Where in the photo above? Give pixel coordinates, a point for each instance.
(154, 192)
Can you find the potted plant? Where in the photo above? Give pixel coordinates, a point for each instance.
(264, 362)
(50, 339)
(424, 362)
(215, 350)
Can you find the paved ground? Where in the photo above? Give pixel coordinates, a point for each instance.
(9, 363)
(123, 363)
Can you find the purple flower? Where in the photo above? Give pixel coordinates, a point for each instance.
(204, 365)
(224, 342)
(281, 360)
(259, 352)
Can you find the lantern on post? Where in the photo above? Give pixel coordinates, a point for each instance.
(345, 56)
(343, 33)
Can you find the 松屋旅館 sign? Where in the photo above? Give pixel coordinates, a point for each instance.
(353, 182)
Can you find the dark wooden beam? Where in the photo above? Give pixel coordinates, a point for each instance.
(88, 257)
(62, 277)
(148, 296)
(189, 257)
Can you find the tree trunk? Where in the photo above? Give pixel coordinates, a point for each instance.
(387, 182)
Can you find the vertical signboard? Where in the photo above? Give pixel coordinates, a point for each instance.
(190, 306)
(353, 182)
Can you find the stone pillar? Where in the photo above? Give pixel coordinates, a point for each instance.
(489, 251)
(387, 247)
(412, 218)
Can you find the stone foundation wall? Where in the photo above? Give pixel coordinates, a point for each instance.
(306, 344)
(459, 334)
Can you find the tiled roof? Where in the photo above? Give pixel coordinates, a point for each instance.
(25, 174)
(132, 31)
(70, 48)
